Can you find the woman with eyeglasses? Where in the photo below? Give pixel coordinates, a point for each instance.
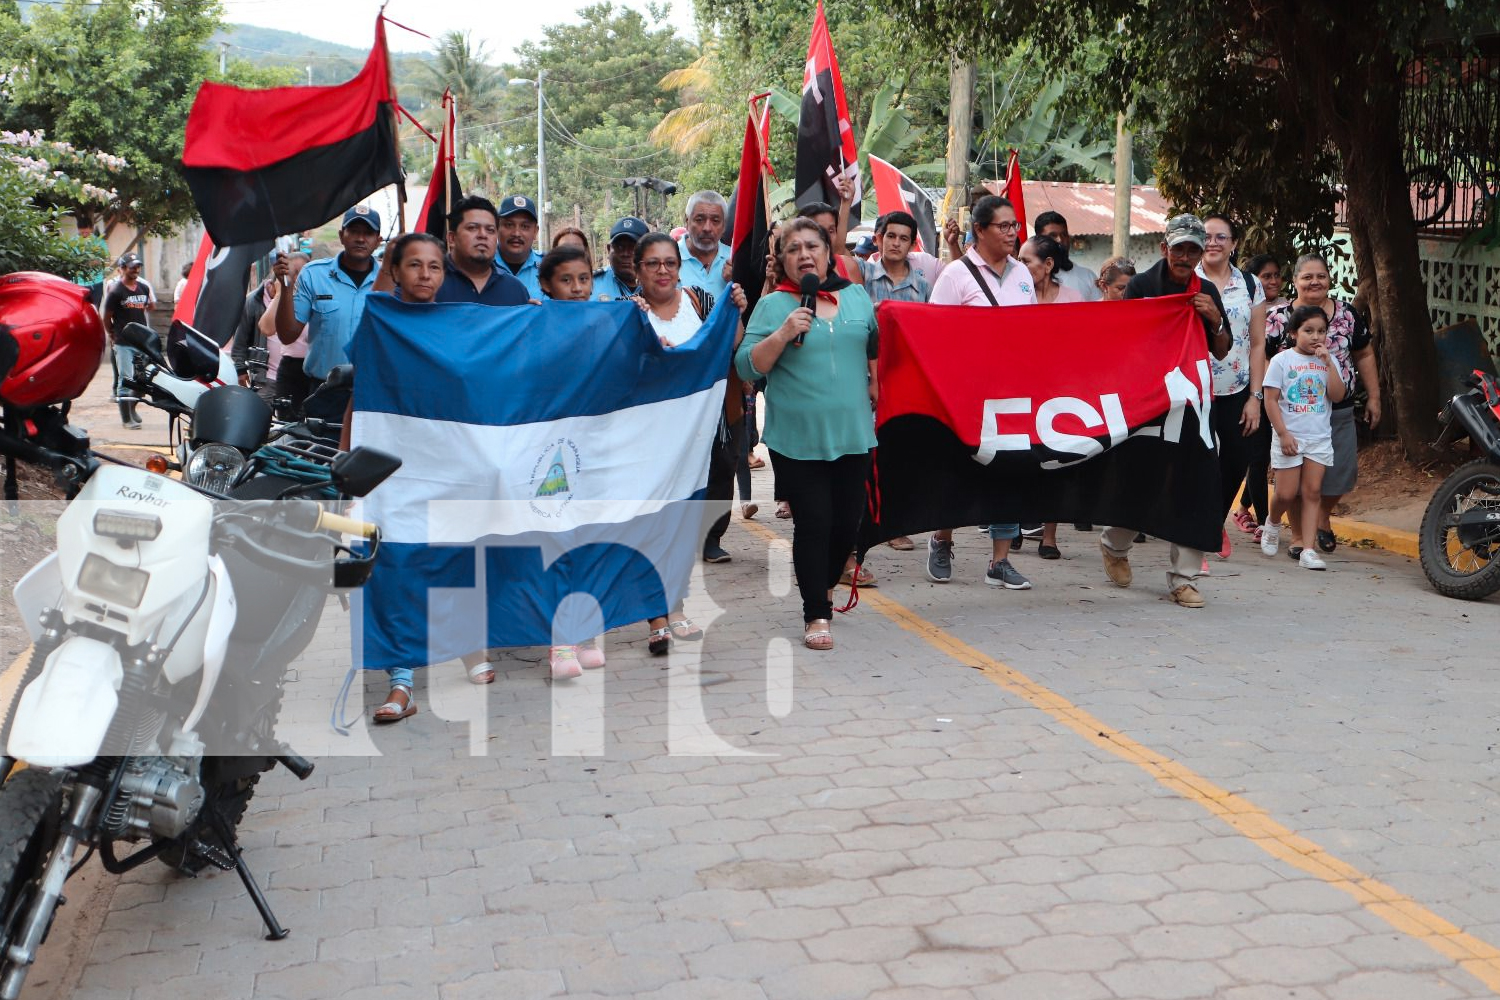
(1254, 510)
(1237, 377)
(819, 367)
(676, 313)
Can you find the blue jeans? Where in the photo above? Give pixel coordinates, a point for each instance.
(401, 676)
(1004, 532)
(124, 359)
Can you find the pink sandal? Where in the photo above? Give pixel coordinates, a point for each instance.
(1245, 521)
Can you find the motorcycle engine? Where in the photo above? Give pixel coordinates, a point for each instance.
(157, 798)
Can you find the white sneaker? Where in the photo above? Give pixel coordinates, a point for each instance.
(1270, 537)
(1311, 560)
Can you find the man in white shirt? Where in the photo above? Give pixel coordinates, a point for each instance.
(1053, 226)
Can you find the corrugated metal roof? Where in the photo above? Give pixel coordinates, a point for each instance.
(1090, 208)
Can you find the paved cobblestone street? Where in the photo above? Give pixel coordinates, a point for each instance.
(1068, 793)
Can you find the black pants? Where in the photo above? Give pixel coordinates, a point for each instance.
(1257, 497)
(721, 466)
(829, 499)
(1234, 447)
(292, 382)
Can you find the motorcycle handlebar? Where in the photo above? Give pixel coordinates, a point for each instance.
(346, 525)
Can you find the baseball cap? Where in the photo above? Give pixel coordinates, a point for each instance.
(629, 226)
(1186, 229)
(517, 203)
(865, 245)
(130, 260)
(362, 213)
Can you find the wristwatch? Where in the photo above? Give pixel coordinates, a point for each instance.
(1259, 394)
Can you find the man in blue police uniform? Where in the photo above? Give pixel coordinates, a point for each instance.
(704, 258)
(518, 227)
(471, 272)
(330, 295)
(618, 280)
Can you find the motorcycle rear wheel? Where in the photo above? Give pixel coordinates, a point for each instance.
(1466, 572)
(30, 813)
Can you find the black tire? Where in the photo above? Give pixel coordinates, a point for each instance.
(1469, 573)
(30, 813)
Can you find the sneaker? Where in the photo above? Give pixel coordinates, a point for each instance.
(939, 560)
(1117, 568)
(1003, 574)
(1187, 595)
(590, 657)
(749, 510)
(713, 552)
(1225, 548)
(1270, 538)
(1031, 531)
(1311, 560)
(564, 663)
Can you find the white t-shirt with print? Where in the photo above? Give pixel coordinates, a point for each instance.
(1304, 405)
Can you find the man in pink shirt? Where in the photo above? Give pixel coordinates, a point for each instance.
(988, 275)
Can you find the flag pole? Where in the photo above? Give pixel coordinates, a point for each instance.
(450, 123)
(760, 116)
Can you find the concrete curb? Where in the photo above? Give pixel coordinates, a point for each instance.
(1395, 540)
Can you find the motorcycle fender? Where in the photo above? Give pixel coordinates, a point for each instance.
(1478, 421)
(64, 714)
(216, 640)
(41, 588)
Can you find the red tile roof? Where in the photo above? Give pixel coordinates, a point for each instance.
(1090, 208)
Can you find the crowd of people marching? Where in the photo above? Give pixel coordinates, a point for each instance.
(1285, 355)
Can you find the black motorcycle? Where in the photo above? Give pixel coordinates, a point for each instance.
(1460, 537)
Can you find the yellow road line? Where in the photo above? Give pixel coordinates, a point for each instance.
(1477, 957)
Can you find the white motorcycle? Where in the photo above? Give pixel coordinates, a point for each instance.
(162, 628)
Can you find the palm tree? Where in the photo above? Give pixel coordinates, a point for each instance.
(460, 67)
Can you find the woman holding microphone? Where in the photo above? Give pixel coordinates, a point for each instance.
(819, 367)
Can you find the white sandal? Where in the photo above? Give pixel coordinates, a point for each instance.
(394, 711)
(818, 635)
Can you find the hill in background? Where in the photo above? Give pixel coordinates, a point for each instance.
(331, 62)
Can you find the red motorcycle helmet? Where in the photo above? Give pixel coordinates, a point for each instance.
(58, 340)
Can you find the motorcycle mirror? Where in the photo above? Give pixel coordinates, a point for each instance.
(190, 353)
(357, 472)
(340, 377)
(143, 339)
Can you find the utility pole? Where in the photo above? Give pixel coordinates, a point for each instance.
(1124, 176)
(541, 162)
(223, 58)
(961, 76)
(309, 76)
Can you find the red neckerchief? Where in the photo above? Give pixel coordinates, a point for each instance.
(826, 296)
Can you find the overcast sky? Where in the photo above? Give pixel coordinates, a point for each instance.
(502, 26)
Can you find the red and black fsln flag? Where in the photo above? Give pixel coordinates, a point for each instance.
(444, 189)
(262, 163)
(751, 240)
(1089, 411)
(826, 148)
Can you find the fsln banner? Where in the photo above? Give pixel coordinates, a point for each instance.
(1089, 411)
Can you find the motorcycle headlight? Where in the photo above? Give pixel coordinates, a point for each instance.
(215, 467)
(117, 584)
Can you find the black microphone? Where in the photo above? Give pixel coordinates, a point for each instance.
(810, 285)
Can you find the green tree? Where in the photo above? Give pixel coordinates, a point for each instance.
(1263, 112)
(30, 233)
(460, 67)
(603, 97)
(115, 75)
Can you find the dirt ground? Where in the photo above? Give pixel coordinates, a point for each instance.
(1393, 491)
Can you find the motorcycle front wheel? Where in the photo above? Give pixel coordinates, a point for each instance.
(30, 813)
(1462, 563)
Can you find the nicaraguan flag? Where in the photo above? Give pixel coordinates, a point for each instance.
(547, 451)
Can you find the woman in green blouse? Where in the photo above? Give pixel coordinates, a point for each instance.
(819, 395)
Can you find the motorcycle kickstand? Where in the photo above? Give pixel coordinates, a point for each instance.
(274, 930)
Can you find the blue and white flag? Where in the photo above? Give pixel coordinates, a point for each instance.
(547, 451)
